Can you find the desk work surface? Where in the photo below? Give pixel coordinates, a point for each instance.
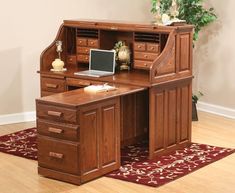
(80, 97)
(133, 77)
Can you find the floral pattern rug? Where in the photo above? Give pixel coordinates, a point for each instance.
(135, 165)
(21, 143)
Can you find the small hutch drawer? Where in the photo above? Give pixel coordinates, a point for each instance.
(58, 130)
(71, 59)
(142, 64)
(145, 56)
(92, 43)
(81, 41)
(83, 50)
(82, 58)
(58, 155)
(55, 113)
(153, 48)
(52, 85)
(140, 46)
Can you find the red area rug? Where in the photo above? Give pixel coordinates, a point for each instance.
(21, 143)
(135, 165)
(137, 168)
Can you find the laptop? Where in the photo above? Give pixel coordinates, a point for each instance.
(101, 63)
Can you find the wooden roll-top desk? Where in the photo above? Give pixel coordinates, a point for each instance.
(80, 134)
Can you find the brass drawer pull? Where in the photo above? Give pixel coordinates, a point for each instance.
(55, 130)
(56, 155)
(54, 113)
(51, 85)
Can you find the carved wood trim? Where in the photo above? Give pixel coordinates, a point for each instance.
(49, 54)
(166, 57)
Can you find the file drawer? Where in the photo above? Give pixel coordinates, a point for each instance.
(58, 155)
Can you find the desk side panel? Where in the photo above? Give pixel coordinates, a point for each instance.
(170, 117)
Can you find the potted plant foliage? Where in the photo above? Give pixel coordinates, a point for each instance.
(192, 11)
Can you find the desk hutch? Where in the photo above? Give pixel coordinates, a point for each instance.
(80, 134)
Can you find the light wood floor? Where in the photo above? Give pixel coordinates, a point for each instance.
(19, 175)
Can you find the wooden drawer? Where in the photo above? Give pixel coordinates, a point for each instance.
(83, 58)
(58, 130)
(52, 84)
(93, 43)
(145, 56)
(45, 93)
(55, 113)
(82, 41)
(81, 82)
(140, 46)
(58, 155)
(142, 64)
(153, 48)
(71, 59)
(83, 50)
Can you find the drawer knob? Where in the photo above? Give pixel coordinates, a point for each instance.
(56, 155)
(70, 59)
(146, 56)
(145, 64)
(54, 113)
(55, 130)
(92, 43)
(48, 85)
(139, 46)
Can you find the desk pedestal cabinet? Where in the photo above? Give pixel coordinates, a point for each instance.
(80, 134)
(72, 148)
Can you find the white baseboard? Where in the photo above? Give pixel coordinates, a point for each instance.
(215, 109)
(17, 118)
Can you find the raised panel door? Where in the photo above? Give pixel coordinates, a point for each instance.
(170, 117)
(89, 129)
(110, 135)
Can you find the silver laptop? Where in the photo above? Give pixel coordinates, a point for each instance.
(101, 63)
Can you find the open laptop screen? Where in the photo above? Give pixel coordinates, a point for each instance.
(102, 60)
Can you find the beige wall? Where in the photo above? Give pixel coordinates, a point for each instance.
(214, 57)
(29, 26)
